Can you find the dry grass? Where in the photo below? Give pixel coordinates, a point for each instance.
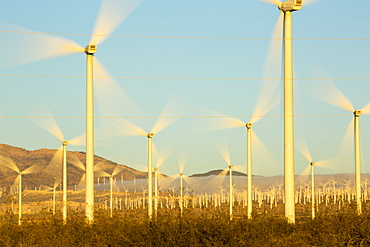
(194, 228)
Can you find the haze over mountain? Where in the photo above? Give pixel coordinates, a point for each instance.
(49, 168)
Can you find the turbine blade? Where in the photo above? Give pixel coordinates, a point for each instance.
(240, 168)
(111, 14)
(181, 158)
(78, 140)
(344, 155)
(117, 170)
(174, 176)
(217, 121)
(219, 179)
(54, 167)
(309, 2)
(45, 187)
(38, 46)
(366, 109)
(269, 96)
(331, 94)
(56, 183)
(8, 163)
(163, 153)
(223, 149)
(272, 2)
(166, 118)
(74, 160)
(47, 121)
(326, 163)
(262, 154)
(32, 169)
(122, 127)
(16, 181)
(102, 174)
(305, 174)
(111, 98)
(82, 182)
(303, 149)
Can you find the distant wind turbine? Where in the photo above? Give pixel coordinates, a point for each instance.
(49, 124)
(9, 163)
(103, 173)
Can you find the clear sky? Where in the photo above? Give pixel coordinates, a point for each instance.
(194, 62)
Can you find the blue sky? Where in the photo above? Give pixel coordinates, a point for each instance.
(331, 41)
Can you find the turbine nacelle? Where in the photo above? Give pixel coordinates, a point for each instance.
(290, 5)
(313, 163)
(91, 49)
(150, 135)
(248, 125)
(357, 113)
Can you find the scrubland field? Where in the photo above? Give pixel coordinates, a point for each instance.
(207, 226)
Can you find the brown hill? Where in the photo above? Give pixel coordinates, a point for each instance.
(47, 167)
(218, 172)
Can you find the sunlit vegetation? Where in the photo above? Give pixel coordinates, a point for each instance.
(193, 227)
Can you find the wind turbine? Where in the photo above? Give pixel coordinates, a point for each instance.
(160, 159)
(111, 14)
(338, 99)
(357, 115)
(150, 177)
(9, 163)
(132, 129)
(231, 197)
(102, 173)
(50, 125)
(304, 150)
(249, 171)
(156, 189)
(286, 8)
(109, 11)
(312, 190)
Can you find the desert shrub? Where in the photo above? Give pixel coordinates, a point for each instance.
(191, 228)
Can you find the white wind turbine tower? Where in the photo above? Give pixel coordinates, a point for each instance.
(231, 197)
(9, 163)
(150, 177)
(286, 8)
(249, 171)
(312, 190)
(108, 11)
